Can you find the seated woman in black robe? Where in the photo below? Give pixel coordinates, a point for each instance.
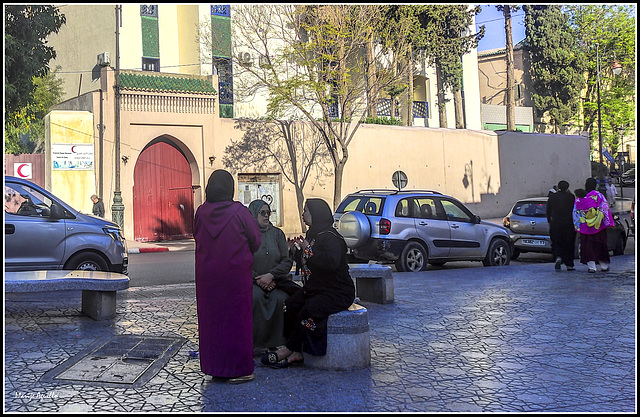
(328, 288)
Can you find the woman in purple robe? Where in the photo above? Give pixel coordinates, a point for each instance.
(226, 235)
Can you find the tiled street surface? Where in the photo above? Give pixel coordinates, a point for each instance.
(521, 338)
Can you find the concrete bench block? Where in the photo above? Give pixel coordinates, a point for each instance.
(98, 287)
(348, 342)
(373, 282)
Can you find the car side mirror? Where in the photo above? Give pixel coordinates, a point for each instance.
(478, 219)
(57, 211)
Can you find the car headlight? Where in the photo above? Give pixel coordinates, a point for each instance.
(115, 233)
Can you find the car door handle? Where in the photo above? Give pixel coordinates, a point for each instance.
(455, 226)
(423, 224)
(9, 229)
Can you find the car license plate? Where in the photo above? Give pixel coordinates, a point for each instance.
(534, 242)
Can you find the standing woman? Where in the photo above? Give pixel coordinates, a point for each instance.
(226, 236)
(591, 217)
(328, 288)
(272, 281)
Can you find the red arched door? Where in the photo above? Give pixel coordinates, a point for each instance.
(162, 195)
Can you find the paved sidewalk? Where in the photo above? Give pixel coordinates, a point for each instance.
(520, 338)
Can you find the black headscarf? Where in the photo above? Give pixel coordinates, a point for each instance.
(321, 217)
(590, 184)
(220, 186)
(563, 185)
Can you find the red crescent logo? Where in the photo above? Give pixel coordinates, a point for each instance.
(72, 151)
(19, 170)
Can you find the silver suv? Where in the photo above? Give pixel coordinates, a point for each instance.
(43, 232)
(413, 228)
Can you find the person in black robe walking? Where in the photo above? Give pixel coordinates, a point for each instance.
(561, 228)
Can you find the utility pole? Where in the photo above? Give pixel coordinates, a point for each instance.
(117, 209)
(509, 98)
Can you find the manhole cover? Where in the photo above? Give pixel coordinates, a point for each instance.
(126, 360)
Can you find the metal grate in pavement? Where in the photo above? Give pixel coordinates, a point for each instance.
(122, 360)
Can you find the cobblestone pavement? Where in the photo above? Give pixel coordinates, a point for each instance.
(520, 338)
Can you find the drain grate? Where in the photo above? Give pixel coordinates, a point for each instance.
(126, 360)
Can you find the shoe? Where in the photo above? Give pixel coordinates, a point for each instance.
(269, 358)
(592, 270)
(285, 363)
(604, 266)
(571, 268)
(558, 263)
(241, 379)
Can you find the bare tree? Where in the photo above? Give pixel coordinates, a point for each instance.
(311, 63)
(292, 147)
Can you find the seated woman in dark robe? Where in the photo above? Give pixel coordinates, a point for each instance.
(328, 288)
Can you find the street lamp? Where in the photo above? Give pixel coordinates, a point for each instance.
(617, 69)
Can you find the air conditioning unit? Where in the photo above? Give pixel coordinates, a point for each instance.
(104, 59)
(244, 58)
(263, 61)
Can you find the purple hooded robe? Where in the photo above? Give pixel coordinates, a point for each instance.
(226, 236)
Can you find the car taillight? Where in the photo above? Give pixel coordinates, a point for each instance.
(506, 222)
(385, 226)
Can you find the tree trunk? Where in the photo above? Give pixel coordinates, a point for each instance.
(457, 100)
(372, 90)
(509, 97)
(337, 184)
(410, 88)
(442, 109)
(300, 201)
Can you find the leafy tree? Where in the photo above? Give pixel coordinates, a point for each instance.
(24, 128)
(607, 31)
(311, 65)
(26, 28)
(447, 39)
(557, 65)
(509, 97)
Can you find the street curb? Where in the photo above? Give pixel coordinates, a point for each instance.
(143, 250)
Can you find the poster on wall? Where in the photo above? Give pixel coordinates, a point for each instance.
(70, 156)
(264, 187)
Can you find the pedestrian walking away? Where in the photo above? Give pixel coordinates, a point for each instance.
(226, 235)
(591, 217)
(98, 206)
(561, 228)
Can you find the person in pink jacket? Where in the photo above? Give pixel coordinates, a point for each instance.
(591, 217)
(226, 235)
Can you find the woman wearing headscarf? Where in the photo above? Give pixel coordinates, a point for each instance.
(328, 288)
(226, 236)
(591, 217)
(561, 230)
(272, 281)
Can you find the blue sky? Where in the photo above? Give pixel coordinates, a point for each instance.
(493, 21)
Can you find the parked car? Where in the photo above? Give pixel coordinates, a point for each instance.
(628, 178)
(414, 228)
(529, 229)
(43, 232)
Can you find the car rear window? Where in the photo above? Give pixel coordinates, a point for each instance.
(530, 209)
(364, 204)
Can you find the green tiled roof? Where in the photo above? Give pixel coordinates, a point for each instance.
(132, 81)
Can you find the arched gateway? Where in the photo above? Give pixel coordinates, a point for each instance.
(162, 194)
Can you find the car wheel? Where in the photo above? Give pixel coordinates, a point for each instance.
(515, 254)
(86, 261)
(498, 254)
(413, 258)
(619, 248)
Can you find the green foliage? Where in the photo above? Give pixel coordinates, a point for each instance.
(26, 28)
(557, 65)
(24, 128)
(608, 33)
(382, 120)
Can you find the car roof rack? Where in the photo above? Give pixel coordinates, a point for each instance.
(393, 192)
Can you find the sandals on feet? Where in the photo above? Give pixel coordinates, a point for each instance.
(285, 363)
(269, 358)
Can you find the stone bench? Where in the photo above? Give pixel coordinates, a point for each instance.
(373, 282)
(348, 343)
(98, 287)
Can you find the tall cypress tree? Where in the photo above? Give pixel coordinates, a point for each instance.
(557, 65)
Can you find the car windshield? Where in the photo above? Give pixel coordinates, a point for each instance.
(364, 204)
(530, 209)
